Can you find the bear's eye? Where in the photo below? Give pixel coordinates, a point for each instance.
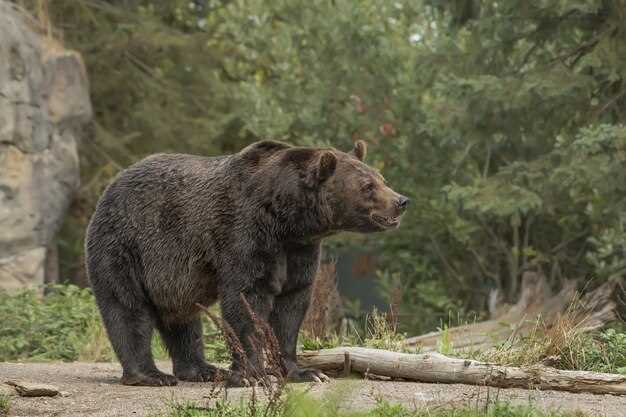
(368, 187)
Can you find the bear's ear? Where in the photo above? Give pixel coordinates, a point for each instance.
(326, 166)
(360, 150)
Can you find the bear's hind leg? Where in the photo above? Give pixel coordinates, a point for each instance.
(185, 345)
(130, 332)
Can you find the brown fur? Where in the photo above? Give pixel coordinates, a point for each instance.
(175, 230)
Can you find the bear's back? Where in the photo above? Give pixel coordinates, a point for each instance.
(158, 193)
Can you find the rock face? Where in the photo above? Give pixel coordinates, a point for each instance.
(44, 107)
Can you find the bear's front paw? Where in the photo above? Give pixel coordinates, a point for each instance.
(149, 379)
(304, 375)
(237, 379)
(200, 372)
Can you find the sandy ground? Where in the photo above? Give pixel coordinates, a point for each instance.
(92, 389)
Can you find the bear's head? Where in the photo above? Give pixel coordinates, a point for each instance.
(359, 198)
(316, 191)
(340, 188)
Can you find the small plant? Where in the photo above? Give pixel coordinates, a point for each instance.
(215, 348)
(444, 344)
(563, 345)
(382, 332)
(270, 376)
(379, 331)
(607, 352)
(219, 409)
(96, 346)
(316, 343)
(5, 404)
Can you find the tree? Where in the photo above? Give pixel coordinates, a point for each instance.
(156, 86)
(503, 120)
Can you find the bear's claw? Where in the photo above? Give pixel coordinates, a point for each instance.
(302, 375)
(202, 372)
(153, 379)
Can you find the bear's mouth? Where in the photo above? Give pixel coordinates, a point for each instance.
(386, 222)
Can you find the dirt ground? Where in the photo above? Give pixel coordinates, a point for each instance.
(92, 389)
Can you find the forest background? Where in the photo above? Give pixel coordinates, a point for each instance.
(502, 120)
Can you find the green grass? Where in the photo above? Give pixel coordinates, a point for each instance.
(564, 342)
(566, 346)
(5, 404)
(65, 325)
(376, 331)
(302, 405)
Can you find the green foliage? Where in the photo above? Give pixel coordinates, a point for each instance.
(503, 121)
(541, 137)
(377, 331)
(604, 352)
(65, 325)
(503, 129)
(381, 333)
(564, 347)
(55, 327)
(215, 349)
(156, 86)
(444, 345)
(5, 404)
(316, 343)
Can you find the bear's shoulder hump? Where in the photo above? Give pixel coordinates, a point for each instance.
(259, 150)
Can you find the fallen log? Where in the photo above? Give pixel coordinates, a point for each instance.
(436, 368)
(593, 310)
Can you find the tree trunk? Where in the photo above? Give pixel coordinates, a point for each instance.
(437, 368)
(51, 267)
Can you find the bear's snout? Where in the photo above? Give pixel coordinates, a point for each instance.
(402, 203)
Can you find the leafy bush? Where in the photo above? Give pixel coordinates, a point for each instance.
(603, 352)
(65, 325)
(563, 346)
(60, 326)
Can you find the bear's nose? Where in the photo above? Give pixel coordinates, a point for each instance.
(403, 202)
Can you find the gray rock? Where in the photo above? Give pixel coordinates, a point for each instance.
(44, 107)
(31, 389)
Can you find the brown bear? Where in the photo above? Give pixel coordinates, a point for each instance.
(175, 230)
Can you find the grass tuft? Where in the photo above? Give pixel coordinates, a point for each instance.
(564, 345)
(5, 404)
(382, 332)
(379, 331)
